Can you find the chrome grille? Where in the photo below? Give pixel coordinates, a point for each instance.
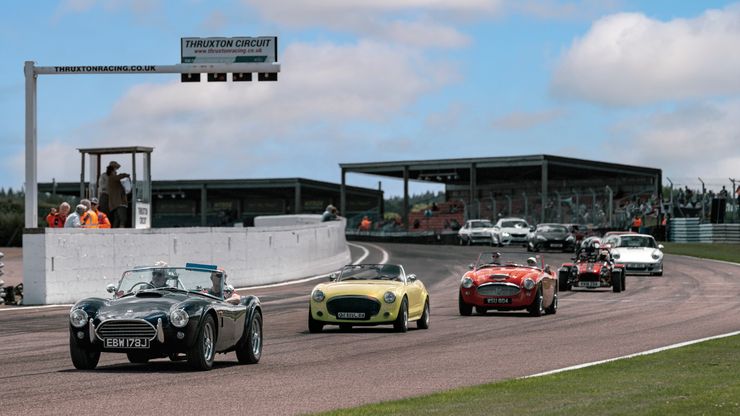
(497, 289)
(126, 328)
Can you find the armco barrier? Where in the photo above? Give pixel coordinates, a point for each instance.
(65, 265)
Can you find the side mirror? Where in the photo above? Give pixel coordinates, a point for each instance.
(660, 246)
(111, 288)
(333, 276)
(411, 278)
(471, 266)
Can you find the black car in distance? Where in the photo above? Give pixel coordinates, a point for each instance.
(551, 237)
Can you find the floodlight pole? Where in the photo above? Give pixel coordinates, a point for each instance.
(31, 72)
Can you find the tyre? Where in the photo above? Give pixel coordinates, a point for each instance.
(469, 241)
(137, 358)
(401, 323)
(82, 359)
(314, 326)
(465, 309)
(201, 354)
(660, 273)
(423, 322)
(249, 348)
(616, 282)
(173, 356)
(563, 280)
(460, 240)
(536, 308)
(553, 308)
(345, 327)
(529, 248)
(481, 310)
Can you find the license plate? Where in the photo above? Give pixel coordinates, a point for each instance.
(556, 245)
(636, 266)
(126, 343)
(589, 284)
(498, 301)
(351, 315)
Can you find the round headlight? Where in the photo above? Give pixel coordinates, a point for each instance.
(505, 234)
(570, 238)
(467, 282)
(317, 296)
(179, 318)
(78, 318)
(541, 238)
(528, 284)
(615, 255)
(656, 255)
(389, 297)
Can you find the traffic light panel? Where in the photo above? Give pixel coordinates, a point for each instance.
(236, 77)
(267, 76)
(189, 77)
(218, 77)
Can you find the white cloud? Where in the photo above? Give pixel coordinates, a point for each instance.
(630, 59)
(519, 120)
(302, 125)
(691, 141)
(421, 23)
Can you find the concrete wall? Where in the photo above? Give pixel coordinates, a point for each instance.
(65, 265)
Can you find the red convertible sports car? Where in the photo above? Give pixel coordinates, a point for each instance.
(507, 282)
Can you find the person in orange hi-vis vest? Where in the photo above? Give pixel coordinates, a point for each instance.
(636, 224)
(90, 218)
(103, 221)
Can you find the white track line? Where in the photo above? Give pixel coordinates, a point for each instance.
(648, 352)
(365, 254)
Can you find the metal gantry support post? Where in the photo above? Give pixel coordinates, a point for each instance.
(297, 199)
(31, 186)
(508, 199)
(405, 210)
(343, 194)
(473, 189)
(610, 211)
(526, 206)
(703, 195)
(544, 190)
(560, 211)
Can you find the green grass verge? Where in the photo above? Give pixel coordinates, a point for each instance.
(694, 380)
(716, 251)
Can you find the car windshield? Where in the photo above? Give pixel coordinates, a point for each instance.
(552, 229)
(636, 241)
(514, 224)
(492, 259)
(371, 272)
(481, 224)
(171, 278)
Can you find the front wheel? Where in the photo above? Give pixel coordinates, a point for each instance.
(465, 309)
(536, 308)
(616, 282)
(423, 322)
(402, 321)
(82, 359)
(563, 282)
(314, 326)
(200, 356)
(553, 308)
(249, 348)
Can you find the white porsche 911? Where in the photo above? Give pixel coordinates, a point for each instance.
(639, 253)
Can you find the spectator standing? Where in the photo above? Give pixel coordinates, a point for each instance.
(73, 220)
(636, 223)
(103, 185)
(117, 201)
(90, 218)
(365, 224)
(330, 214)
(56, 219)
(103, 221)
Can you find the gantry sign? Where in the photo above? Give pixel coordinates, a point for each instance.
(241, 56)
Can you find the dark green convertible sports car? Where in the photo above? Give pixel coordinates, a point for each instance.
(162, 311)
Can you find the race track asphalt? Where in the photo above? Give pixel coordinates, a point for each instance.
(302, 373)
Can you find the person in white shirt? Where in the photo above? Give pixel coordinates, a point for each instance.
(73, 220)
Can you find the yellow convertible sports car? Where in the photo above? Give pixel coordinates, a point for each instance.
(369, 294)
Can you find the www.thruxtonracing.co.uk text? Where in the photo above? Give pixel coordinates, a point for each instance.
(106, 68)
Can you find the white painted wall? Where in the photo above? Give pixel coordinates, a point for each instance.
(64, 265)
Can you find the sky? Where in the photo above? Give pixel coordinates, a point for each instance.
(649, 83)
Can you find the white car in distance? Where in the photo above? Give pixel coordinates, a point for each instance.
(516, 229)
(481, 231)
